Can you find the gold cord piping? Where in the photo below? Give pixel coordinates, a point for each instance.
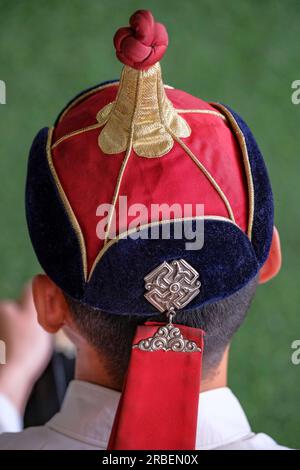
(122, 235)
(73, 133)
(125, 161)
(85, 95)
(201, 111)
(200, 165)
(243, 145)
(110, 105)
(67, 205)
(117, 187)
(207, 174)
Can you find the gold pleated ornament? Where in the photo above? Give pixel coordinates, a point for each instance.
(141, 112)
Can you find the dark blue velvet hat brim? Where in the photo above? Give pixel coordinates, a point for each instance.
(226, 262)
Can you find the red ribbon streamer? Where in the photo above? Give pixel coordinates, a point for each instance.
(158, 408)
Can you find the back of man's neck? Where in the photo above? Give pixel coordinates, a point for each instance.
(91, 367)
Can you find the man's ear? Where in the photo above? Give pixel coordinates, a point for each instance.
(273, 263)
(51, 306)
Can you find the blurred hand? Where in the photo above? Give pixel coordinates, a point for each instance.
(28, 348)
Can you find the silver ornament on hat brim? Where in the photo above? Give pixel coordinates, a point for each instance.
(170, 287)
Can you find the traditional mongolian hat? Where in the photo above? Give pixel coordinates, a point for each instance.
(117, 151)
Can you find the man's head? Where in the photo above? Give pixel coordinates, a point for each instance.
(127, 159)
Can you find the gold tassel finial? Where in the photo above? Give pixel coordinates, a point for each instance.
(142, 109)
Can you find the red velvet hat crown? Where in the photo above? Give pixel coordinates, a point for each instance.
(155, 145)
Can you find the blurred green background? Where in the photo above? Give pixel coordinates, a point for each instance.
(243, 53)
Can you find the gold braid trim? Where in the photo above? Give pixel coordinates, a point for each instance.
(67, 205)
(200, 166)
(78, 131)
(202, 111)
(242, 142)
(207, 174)
(127, 233)
(105, 115)
(127, 154)
(86, 95)
(117, 187)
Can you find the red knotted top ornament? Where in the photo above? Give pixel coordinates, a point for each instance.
(143, 43)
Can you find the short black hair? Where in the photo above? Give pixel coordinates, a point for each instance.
(112, 335)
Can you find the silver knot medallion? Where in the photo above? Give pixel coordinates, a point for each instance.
(170, 286)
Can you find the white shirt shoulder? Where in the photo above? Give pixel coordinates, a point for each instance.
(259, 441)
(42, 438)
(223, 425)
(86, 417)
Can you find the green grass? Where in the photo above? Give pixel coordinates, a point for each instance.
(245, 54)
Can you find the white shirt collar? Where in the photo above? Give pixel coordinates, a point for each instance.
(88, 412)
